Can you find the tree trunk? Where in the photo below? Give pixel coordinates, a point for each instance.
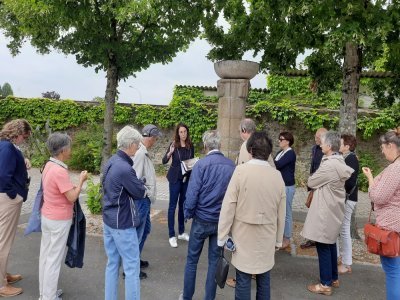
(111, 93)
(350, 89)
(349, 103)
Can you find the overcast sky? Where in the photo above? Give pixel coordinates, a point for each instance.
(31, 74)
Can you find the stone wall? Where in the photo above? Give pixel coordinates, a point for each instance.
(304, 140)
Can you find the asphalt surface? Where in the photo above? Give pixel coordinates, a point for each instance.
(289, 277)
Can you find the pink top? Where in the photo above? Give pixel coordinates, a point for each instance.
(56, 182)
(385, 194)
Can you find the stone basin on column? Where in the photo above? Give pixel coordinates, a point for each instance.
(236, 69)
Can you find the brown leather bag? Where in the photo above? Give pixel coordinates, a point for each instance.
(380, 241)
(309, 198)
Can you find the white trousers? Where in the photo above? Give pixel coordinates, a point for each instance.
(344, 240)
(52, 250)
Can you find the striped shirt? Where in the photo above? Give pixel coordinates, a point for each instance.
(385, 194)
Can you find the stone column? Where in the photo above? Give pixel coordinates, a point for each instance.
(232, 95)
(233, 90)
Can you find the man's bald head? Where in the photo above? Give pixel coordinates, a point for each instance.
(246, 128)
(320, 132)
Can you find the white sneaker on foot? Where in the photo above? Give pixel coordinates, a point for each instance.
(59, 293)
(173, 242)
(184, 236)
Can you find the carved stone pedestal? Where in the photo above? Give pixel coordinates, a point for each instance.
(232, 95)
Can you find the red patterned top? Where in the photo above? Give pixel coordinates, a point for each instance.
(385, 194)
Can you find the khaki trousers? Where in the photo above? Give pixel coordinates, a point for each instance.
(10, 209)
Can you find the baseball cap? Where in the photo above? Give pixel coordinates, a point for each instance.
(151, 130)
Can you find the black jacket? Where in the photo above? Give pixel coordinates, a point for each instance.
(316, 156)
(352, 161)
(76, 238)
(181, 153)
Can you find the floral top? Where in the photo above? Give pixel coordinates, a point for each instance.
(385, 194)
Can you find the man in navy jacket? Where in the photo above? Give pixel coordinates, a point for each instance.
(121, 189)
(207, 186)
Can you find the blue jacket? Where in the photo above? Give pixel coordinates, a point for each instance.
(120, 188)
(286, 165)
(207, 186)
(76, 238)
(175, 173)
(13, 173)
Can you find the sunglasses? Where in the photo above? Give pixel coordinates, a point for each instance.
(281, 139)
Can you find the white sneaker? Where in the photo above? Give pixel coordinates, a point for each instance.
(184, 236)
(59, 293)
(173, 242)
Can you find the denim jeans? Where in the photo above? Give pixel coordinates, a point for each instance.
(199, 232)
(122, 243)
(289, 219)
(345, 237)
(391, 266)
(177, 195)
(143, 230)
(243, 286)
(327, 257)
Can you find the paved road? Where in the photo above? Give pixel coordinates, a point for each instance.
(289, 277)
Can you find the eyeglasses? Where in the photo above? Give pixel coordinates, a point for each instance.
(282, 139)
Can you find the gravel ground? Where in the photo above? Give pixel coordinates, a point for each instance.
(94, 222)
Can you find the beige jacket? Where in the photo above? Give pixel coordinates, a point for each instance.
(144, 167)
(325, 216)
(253, 211)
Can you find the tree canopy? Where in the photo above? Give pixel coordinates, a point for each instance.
(121, 37)
(51, 95)
(344, 37)
(6, 90)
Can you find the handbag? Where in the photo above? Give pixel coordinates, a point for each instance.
(381, 241)
(309, 198)
(35, 219)
(221, 272)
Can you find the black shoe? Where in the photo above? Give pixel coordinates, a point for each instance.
(144, 264)
(142, 275)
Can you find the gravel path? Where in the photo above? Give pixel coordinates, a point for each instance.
(363, 206)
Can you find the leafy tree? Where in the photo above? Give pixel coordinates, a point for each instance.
(98, 99)
(344, 37)
(120, 37)
(6, 90)
(51, 95)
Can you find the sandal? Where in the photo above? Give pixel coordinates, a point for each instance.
(343, 269)
(320, 289)
(335, 283)
(231, 282)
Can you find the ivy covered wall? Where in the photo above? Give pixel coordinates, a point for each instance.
(289, 104)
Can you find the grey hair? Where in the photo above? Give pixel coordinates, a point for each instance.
(247, 125)
(57, 142)
(332, 139)
(212, 139)
(128, 136)
(392, 136)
